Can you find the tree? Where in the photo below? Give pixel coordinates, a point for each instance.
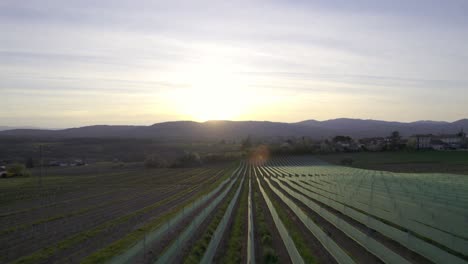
(395, 140)
(189, 159)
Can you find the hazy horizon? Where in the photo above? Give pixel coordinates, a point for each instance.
(70, 64)
(2, 126)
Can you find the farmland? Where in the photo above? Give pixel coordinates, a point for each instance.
(405, 161)
(281, 210)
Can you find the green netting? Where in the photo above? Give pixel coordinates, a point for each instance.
(287, 240)
(398, 214)
(363, 239)
(218, 234)
(337, 253)
(432, 205)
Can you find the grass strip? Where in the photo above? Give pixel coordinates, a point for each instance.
(199, 248)
(237, 235)
(269, 255)
(294, 232)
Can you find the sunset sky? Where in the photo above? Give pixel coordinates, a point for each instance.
(75, 63)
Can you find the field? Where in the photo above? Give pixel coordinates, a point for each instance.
(406, 161)
(284, 210)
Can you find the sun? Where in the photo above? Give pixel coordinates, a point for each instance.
(214, 91)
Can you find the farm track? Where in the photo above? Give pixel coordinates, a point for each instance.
(87, 222)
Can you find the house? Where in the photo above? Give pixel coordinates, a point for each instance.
(438, 142)
(421, 141)
(453, 141)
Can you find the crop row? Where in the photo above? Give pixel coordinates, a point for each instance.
(350, 230)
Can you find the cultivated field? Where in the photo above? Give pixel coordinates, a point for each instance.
(284, 210)
(428, 161)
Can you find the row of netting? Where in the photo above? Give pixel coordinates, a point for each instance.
(399, 217)
(449, 229)
(283, 232)
(219, 232)
(419, 220)
(250, 229)
(373, 246)
(139, 248)
(328, 184)
(327, 242)
(444, 189)
(171, 252)
(404, 238)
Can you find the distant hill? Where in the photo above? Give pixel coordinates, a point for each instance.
(3, 128)
(357, 128)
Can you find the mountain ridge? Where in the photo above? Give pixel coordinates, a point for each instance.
(357, 128)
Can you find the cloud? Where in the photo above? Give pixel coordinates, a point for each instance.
(362, 51)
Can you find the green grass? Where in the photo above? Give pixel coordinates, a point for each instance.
(200, 246)
(268, 253)
(296, 234)
(236, 237)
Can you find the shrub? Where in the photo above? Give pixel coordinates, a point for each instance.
(16, 170)
(189, 159)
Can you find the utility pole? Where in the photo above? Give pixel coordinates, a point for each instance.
(41, 163)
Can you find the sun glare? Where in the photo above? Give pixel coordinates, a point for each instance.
(215, 91)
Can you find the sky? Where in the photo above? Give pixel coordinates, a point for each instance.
(76, 63)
